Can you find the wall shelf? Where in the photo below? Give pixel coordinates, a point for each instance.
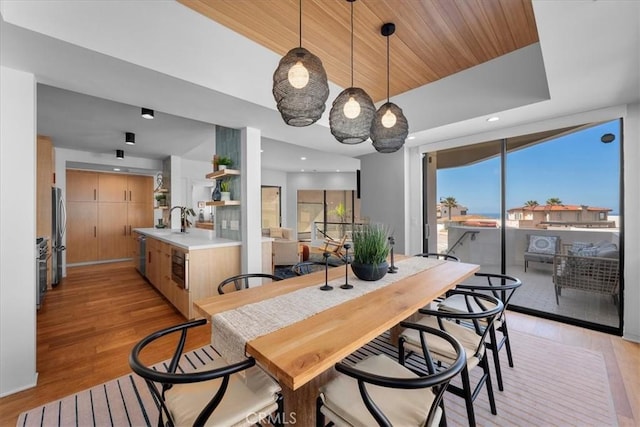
(223, 203)
(223, 173)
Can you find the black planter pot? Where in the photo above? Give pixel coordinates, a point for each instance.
(369, 272)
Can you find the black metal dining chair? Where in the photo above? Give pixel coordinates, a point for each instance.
(466, 328)
(217, 393)
(380, 391)
(436, 255)
(243, 281)
(502, 287)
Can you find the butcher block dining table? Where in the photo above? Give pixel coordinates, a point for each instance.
(297, 332)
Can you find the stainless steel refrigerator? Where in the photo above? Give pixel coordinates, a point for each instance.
(58, 226)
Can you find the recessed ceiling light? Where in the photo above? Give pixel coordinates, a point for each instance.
(337, 170)
(303, 158)
(493, 119)
(262, 151)
(301, 170)
(116, 169)
(130, 138)
(411, 137)
(147, 113)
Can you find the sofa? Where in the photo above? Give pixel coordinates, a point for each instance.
(590, 267)
(284, 248)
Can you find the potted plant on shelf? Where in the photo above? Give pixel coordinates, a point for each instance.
(370, 250)
(161, 199)
(225, 189)
(224, 162)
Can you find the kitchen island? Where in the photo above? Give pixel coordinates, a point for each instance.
(186, 267)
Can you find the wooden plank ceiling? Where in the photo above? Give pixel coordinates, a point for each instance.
(433, 38)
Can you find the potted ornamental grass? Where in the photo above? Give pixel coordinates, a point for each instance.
(370, 251)
(225, 190)
(224, 162)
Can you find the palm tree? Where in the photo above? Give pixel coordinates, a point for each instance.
(450, 203)
(531, 203)
(554, 201)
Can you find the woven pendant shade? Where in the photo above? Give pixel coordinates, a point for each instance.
(353, 110)
(304, 105)
(389, 128)
(348, 125)
(389, 139)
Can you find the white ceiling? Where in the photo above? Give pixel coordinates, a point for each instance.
(196, 73)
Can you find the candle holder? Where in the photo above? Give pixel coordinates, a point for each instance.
(346, 267)
(392, 268)
(326, 286)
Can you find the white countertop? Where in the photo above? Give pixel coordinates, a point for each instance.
(193, 239)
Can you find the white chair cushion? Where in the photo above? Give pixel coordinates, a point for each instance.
(246, 396)
(344, 406)
(441, 349)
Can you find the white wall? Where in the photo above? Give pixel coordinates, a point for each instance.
(313, 181)
(18, 231)
(384, 194)
(631, 149)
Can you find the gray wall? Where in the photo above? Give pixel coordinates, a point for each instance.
(382, 190)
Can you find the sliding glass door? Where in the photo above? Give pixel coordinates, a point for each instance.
(563, 224)
(546, 209)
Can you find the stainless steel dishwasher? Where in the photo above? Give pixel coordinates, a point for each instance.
(141, 264)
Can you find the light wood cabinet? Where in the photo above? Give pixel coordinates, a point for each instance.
(82, 186)
(107, 217)
(113, 234)
(207, 268)
(112, 187)
(139, 189)
(154, 261)
(139, 215)
(82, 232)
(44, 182)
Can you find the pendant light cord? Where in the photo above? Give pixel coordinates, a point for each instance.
(300, 23)
(352, 43)
(388, 69)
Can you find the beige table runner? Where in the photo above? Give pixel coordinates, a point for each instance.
(234, 328)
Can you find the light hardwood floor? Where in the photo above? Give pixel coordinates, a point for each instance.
(89, 323)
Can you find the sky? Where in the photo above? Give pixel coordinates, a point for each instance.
(579, 169)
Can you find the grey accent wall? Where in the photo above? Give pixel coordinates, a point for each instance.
(228, 144)
(382, 192)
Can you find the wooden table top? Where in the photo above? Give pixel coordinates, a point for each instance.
(298, 353)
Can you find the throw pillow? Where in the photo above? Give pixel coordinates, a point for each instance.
(276, 233)
(576, 246)
(542, 244)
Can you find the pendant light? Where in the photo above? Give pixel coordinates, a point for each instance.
(353, 110)
(389, 128)
(300, 85)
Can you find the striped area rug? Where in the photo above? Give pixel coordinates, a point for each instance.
(539, 391)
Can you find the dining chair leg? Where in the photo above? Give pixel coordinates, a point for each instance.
(495, 351)
(492, 400)
(278, 419)
(468, 396)
(319, 414)
(507, 341)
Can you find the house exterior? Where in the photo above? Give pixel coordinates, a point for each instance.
(559, 216)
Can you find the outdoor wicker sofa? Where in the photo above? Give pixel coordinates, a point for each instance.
(593, 268)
